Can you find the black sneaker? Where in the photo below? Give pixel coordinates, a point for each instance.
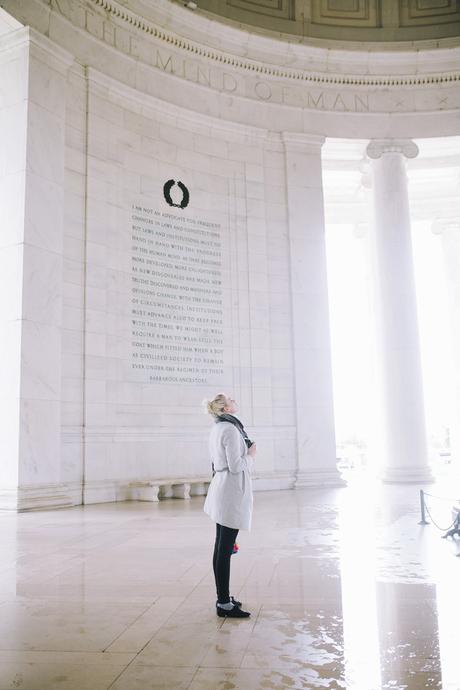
(235, 612)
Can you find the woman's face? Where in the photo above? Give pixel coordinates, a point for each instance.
(231, 406)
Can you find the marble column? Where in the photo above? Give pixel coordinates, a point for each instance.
(405, 446)
(13, 140)
(33, 78)
(449, 231)
(316, 448)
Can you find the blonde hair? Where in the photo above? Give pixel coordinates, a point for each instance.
(216, 406)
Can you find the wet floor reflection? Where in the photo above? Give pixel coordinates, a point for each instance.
(391, 584)
(408, 631)
(358, 556)
(347, 592)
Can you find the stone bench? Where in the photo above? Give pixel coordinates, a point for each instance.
(156, 489)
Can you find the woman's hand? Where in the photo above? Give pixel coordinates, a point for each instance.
(252, 450)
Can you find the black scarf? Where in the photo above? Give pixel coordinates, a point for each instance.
(236, 422)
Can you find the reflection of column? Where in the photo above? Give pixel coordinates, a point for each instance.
(404, 416)
(450, 233)
(358, 580)
(406, 596)
(408, 635)
(449, 632)
(310, 313)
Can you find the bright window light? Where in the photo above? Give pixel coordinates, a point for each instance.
(433, 192)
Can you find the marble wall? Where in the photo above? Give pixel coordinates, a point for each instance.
(96, 427)
(13, 117)
(33, 117)
(100, 107)
(142, 411)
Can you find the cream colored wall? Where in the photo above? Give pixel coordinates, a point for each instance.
(164, 92)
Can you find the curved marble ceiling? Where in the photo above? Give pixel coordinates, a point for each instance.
(345, 20)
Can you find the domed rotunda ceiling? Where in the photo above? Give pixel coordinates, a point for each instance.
(344, 20)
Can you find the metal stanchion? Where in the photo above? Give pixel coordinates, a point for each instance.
(422, 509)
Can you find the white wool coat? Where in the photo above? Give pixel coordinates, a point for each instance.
(229, 499)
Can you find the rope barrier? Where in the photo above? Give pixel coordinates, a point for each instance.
(424, 506)
(443, 529)
(441, 498)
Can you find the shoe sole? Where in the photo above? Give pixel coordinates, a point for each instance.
(228, 614)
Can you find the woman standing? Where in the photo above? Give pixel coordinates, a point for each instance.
(229, 499)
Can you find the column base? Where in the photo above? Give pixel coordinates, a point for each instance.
(47, 496)
(407, 475)
(318, 478)
(9, 499)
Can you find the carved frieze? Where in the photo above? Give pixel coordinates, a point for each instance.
(373, 83)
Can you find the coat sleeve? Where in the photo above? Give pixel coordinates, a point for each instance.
(236, 461)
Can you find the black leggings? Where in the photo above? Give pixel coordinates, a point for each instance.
(225, 539)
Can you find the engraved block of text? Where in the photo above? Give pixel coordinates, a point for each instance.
(176, 297)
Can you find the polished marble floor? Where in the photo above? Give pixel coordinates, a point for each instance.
(346, 590)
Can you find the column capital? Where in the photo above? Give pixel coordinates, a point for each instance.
(377, 147)
(310, 143)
